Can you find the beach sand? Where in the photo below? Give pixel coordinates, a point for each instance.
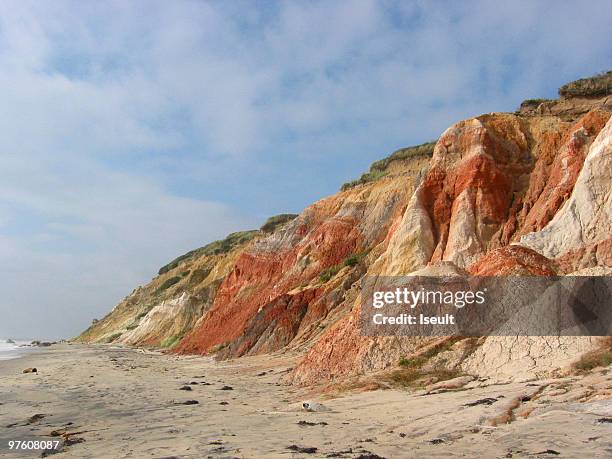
(114, 402)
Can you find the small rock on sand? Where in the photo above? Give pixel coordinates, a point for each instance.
(435, 441)
(550, 452)
(309, 424)
(302, 449)
(482, 401)
(35, 418)
(30, 370)
(69, 441)
(189, 402)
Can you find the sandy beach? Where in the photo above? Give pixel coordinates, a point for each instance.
(112, 402)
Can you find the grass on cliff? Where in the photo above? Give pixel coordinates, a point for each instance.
(168, 283)
(274, 222)
(219, 347)
(411, 373)
(113, 337)
(366, 177)
(378, 169)
(601, 357)
(596, 86)
(330, 272)
(421, 359)
(170, 342)
(214, 248)
(415, 378)
(532, 104)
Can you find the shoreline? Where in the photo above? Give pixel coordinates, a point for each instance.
(16, 351)
(109, 401)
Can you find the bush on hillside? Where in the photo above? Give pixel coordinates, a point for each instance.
(330, 272)
(277, 220)
(214, 248)
(168, 283)
(378, 169)
(596, 86)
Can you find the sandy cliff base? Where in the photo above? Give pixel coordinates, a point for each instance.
(113, 402)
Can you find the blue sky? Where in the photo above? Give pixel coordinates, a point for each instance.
(131, 132)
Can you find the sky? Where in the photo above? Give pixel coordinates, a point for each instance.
(132, 132)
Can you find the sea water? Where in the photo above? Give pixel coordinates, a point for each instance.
(14, 349)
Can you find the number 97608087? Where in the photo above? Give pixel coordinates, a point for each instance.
(33, 444)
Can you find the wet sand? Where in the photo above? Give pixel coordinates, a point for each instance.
(102, 401)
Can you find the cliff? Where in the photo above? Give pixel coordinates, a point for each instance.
(499, 194)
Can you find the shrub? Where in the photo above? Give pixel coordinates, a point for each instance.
(170, 342)
(531, 104)
(421, 359)
(596, 86)
(168, 283)
(534, 101)
(415, 362)
(113, 337)
(219, 347)
(330, 272)
(378, 169)
(274, 222)
(351, 261)
(365, 178)
(142, 314)
(424, 149)
(416, 378)
(214, 248)
(601, 357)
(411, 373)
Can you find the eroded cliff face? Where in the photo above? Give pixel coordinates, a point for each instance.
(500, 194)
(494, 181)
(288, 285)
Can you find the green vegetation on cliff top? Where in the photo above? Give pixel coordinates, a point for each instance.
(229, 243)
(378, 168)
(214, 248)
(595, 86)
(274, 222)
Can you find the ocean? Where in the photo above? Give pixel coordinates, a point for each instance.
(12, 350)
